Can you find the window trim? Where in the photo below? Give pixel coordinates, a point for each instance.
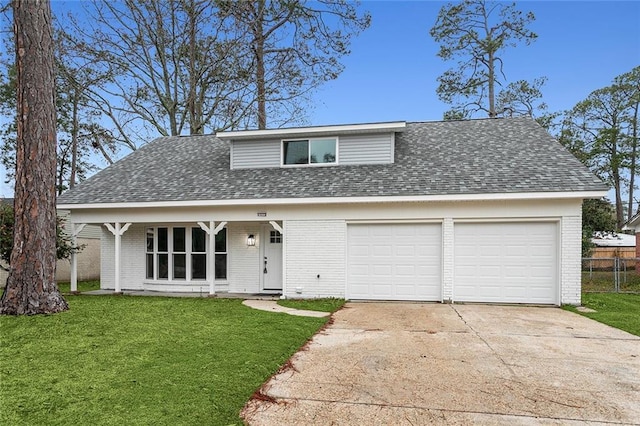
(309, 142)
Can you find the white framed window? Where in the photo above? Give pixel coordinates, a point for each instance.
(300, 152)
(180, 253)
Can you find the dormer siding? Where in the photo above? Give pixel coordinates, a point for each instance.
(352, 149)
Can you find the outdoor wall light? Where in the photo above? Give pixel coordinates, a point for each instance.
(251, 240)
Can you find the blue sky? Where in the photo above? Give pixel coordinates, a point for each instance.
(392, 70)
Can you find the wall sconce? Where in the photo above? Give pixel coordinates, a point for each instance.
(251, 240)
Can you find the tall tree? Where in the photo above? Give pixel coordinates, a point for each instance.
(31, 287)
(476, 33)
(171, 64)
(595, 128)
(522, 98)
(293, 47)
(597, 215)
(80, 136)
(629, 84)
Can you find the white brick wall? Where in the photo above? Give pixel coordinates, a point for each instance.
(132, 259)
(132, 263)
(315, 248)
(447, 259)
(243, 267)
(570, 260)
(107, 247)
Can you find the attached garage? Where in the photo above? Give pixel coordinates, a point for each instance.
(508, 262)
(394, 261)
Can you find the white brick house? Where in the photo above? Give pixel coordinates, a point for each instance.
(462, 211)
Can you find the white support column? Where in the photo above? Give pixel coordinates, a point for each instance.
(211, 231)
(75, 230)
(117, 231)
(212, 258)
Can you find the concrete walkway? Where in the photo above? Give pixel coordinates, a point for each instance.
(272, 306)
(418, 364)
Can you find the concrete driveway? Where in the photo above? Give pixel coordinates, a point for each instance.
(416, 364)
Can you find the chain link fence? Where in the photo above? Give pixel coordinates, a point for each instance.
(611, 274)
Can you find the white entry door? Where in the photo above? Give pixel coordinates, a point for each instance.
(271, 259)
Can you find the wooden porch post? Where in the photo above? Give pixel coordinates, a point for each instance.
(117, 231)
(212, 231)
(212, 258)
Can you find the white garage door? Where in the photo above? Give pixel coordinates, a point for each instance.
(506, 262)
(394, 262)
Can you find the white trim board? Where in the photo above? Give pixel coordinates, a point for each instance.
(393, 126)
(340, 200)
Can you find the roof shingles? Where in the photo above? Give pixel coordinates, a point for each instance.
(431, 158)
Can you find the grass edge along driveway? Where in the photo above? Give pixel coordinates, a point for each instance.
(618, 310)
(114, 360)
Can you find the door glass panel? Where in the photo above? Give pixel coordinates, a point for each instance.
(275, 237)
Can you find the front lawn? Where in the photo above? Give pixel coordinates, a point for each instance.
(322, 305)
(617, 310)
(142, 360)
(65, 287)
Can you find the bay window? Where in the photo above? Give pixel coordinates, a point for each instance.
(180, 253)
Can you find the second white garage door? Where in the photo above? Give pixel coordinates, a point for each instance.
(394, 262)
(506, 262)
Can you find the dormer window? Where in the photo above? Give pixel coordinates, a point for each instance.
(309, 151)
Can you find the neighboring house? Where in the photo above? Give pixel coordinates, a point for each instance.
(614, 241)
(457, 211)
(609, 245)
(634, 225)
(88, 259)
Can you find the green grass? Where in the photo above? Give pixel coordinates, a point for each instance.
(322, 305)
(617, 310)
(82, 286)
(115, 360)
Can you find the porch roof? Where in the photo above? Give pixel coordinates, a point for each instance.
(489, 156)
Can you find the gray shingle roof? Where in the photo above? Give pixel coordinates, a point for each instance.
(487, 156)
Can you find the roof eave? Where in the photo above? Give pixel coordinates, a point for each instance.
(340, 200)
(392, 126)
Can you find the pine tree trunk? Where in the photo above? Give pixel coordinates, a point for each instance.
(31, 287)
(258, 35)
(633, 160)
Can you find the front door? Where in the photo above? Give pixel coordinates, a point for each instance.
(271, 262)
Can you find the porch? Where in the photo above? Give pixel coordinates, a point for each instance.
(196, 259)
